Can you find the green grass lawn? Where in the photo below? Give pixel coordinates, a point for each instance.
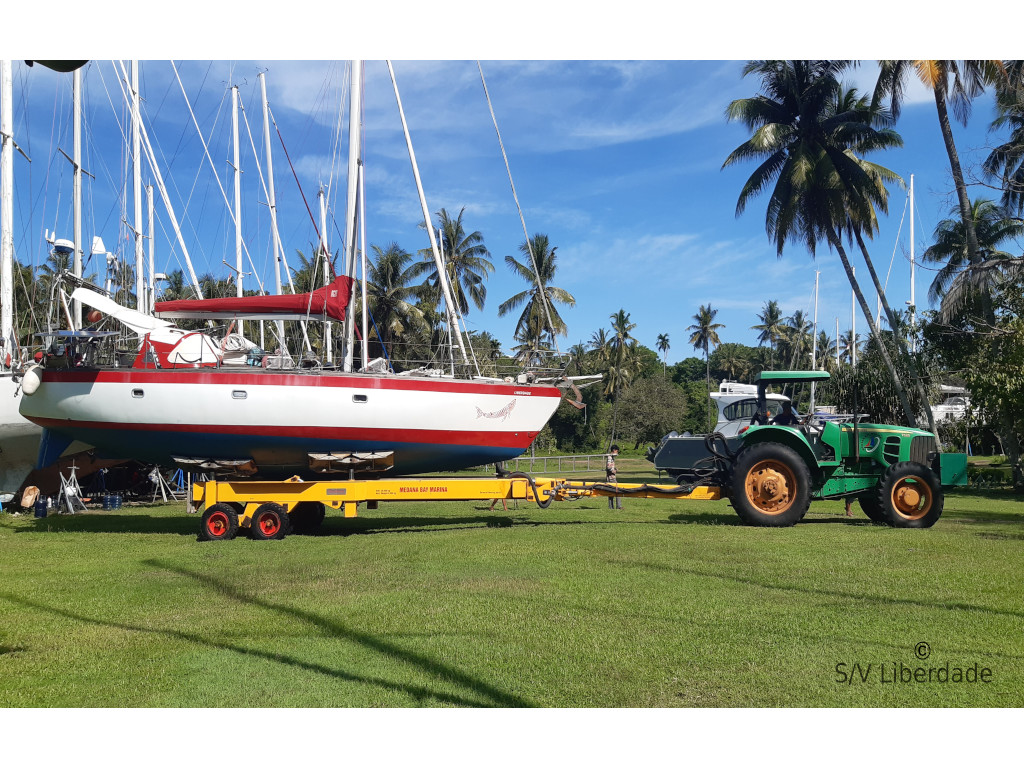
(661, 604)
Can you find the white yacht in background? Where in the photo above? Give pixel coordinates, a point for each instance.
(954, 405)
(737, 404)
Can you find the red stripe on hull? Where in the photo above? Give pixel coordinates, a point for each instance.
(274, 379)
(438, 437)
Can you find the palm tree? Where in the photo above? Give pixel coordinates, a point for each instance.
(732, 361)
(390, 299)
(826, 355)
(621, 350)
(797, 332)
(533, 321)
(955, 82)
(705, 335)
(599, 345)
(808, 134)
(962, 279)
(466, 260)
(663, 347)
(770, 326)
(1006, 161)
(175, 287)
(849, 343)
(578, 355)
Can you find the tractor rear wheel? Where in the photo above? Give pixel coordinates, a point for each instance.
(770, 486)
(219, 523)
(269, 521)
(910, 496)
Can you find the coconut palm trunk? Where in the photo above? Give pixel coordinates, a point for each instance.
(900, 341)
(954, 165)
(836, 242)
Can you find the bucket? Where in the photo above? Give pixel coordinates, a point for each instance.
(40, 506)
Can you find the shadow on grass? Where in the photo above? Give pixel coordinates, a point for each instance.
(184, 525)
(368, 525)
(704, 518)
(489, 694)
(749, 582)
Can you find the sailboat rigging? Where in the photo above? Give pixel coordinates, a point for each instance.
(177, 402)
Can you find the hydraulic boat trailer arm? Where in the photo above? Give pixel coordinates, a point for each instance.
(269, 509)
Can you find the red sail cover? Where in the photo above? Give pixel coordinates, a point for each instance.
(331, 300)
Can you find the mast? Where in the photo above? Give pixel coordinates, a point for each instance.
(155, 169)
(327, 274)
(355, 135)
(140, 292)
(853, 324)
(362, 259)
(238, 193)
(6, 212)
(152, 254)
(442, 273)
(913, 302)
(272, 199)
(77, 162)
(814, 338)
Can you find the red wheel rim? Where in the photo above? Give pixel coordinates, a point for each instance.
(269, 523)
(217, 524)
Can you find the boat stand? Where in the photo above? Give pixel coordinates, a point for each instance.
(69, 498)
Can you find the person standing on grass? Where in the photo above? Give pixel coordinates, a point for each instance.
(614, 502)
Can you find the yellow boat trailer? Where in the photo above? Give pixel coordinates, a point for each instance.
(270, 509)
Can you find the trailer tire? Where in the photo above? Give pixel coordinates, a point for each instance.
(910, 496)
(872, 507)
(770, 485)
(306, 517)
(219, 523)
(269, 521)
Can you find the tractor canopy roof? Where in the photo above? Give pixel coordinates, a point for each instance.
(780, 377)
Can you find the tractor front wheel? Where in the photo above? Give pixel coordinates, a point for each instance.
(910, 496)
(872, 507)
(770, 486)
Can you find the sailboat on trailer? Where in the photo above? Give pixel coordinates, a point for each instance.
(179, 403)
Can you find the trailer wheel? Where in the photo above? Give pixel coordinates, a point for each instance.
(306, 517)
(910, 496)
(872, 507)
(770, 486)
(269, 521)
(219, 522)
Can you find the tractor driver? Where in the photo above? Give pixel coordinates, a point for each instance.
(787, 417)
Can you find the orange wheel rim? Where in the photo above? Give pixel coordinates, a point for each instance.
(770, 487)
(217, 524)
(269, 524)
(911, 498)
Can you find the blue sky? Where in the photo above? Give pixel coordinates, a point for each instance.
(618, 162)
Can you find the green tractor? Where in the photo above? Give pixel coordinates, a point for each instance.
(771, 473)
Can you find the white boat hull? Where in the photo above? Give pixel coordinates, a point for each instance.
(19, 438)
(277, 419)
